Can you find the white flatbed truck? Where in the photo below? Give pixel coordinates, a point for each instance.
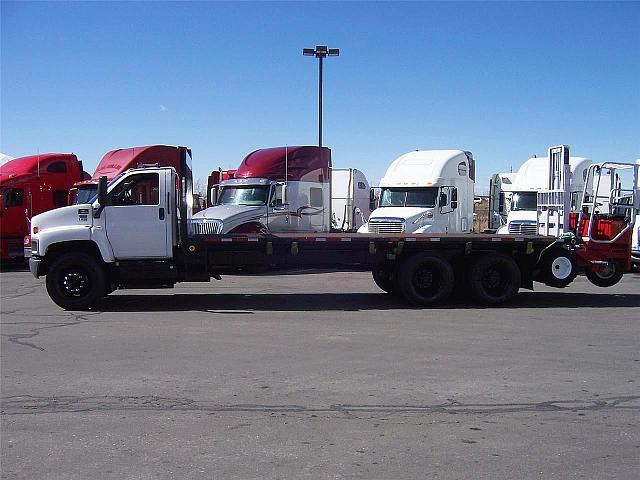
(136, 233)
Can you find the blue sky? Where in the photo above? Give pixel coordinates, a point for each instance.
(503, 80)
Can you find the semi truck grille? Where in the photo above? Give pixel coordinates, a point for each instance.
(386, 225)
(521, 228)
(206, 227)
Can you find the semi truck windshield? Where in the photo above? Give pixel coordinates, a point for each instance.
(244, 195)
(409, 197)
(527, 201)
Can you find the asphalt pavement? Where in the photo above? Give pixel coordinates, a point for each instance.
(319, 376)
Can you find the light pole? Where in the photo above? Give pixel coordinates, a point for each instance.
(320, 52)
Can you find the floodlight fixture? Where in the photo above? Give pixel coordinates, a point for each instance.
(320, 52)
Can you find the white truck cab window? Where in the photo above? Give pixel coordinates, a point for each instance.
(139, 189)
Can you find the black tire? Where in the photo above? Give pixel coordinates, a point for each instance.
(425, 279)
(607, 277)
(558, 269)
(384, 279)
(75, 281)
(494, 279)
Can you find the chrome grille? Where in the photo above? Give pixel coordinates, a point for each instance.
(206, 227)
(523, 228)
(386, 225)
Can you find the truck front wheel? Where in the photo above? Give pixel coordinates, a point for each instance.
(494, 279)
(75, 281)
(425, 279)
(607, 277)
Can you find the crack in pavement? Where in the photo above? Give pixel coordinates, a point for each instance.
(33, 405)
(21, 338)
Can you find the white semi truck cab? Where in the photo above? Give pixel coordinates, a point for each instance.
(533, 177)
(426, 191)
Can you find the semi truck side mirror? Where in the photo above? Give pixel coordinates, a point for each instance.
(443, 199)
(280, 200)
(373, 199)
(102, 196)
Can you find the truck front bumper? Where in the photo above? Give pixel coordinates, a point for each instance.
(34, 266)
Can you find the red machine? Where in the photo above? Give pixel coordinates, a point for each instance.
(213, 184)
(29, 186)
(117, 161)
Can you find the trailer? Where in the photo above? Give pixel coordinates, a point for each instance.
(139, 233)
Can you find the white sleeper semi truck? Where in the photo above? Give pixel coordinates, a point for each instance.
(426, 191)
(137, 233)
(533, 177)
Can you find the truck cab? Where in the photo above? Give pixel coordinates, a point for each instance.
(29, 186)
(532, 178)
(426, 191)
(281, 189)
(120, 160)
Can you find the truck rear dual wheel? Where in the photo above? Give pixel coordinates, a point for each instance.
(385, 279)
(75, 281)
(494, 279)
(425, 279)
(607, 277)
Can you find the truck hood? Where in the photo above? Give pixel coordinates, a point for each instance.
(62, 217)
(409, 214)
(231, 215)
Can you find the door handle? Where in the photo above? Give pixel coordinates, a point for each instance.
(161, 213)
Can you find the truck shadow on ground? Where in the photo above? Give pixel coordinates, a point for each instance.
(315, 302)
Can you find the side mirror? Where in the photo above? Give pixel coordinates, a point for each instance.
(102, 196)
(443, 199)
(213, 196)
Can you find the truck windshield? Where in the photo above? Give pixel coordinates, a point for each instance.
(409, 197)
(524, 201)
(244, 195)
(85, 194)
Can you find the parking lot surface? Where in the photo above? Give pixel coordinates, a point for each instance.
(319, 376)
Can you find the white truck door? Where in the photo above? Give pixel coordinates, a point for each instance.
(136, 219)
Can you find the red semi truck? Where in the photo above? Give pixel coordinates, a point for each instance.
(29, 186)
(120, 160)
(138, 233)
